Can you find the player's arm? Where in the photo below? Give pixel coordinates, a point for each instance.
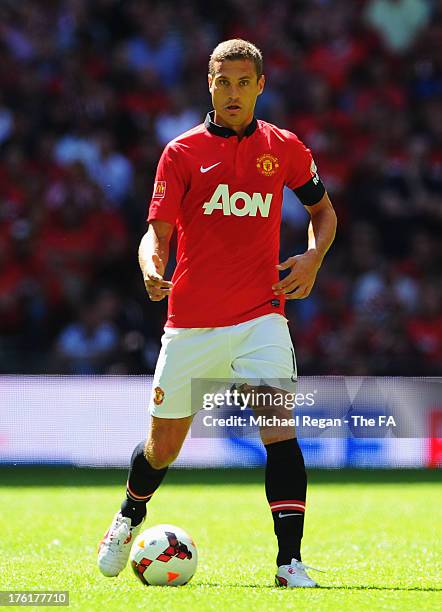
(322, 228)
(153, 254)
(304, 268)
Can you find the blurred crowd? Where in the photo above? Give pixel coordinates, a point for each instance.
(91, 91)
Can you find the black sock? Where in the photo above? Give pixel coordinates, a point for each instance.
(286, 486)
(142, 482)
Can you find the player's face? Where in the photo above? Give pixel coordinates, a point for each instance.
(234, 88)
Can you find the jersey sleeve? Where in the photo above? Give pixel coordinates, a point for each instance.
(302, 176)
(169, 187)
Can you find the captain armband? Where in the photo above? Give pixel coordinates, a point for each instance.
(311, 192)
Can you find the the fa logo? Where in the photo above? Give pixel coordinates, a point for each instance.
(221, 199)
(159, 190)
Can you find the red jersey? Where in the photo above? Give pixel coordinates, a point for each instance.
(225, 195)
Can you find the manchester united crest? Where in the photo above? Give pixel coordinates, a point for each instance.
(267, 164)
(158, 396)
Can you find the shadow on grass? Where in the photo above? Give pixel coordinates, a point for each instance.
(70, 476)
(361, 587)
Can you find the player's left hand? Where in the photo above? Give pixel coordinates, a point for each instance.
(299, 282)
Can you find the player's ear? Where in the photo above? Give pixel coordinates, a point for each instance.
(209, 80)
(261, 83)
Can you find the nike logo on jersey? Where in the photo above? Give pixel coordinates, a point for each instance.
(294, 514)
(204, 170)
(239, 203)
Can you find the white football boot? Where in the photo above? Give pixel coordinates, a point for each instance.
(114, 548)
(294, 575)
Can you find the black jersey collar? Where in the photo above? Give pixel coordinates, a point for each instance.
(225, 132)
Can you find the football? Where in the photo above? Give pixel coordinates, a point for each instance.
(164, 555)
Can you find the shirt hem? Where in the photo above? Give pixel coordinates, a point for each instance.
(227, 322)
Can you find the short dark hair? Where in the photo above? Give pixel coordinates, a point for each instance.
(236, 49)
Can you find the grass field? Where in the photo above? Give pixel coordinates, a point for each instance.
(376, 533)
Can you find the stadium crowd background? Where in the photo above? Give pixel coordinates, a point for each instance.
(91, 91)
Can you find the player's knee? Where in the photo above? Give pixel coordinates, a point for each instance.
(160, 457)
(271, 437)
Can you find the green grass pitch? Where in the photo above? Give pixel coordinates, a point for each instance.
(376, 533)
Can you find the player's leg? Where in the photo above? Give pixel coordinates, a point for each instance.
(185, 354)
(266, 356)
(148, 466)
(149, 463)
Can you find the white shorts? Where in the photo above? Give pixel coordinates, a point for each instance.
(257, 349)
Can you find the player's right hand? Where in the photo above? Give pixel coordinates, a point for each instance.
(157, 288)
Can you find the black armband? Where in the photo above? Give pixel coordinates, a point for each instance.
(311, 192)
